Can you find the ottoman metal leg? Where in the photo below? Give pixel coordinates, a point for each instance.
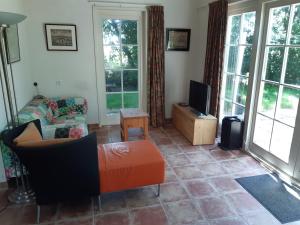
(158, 190)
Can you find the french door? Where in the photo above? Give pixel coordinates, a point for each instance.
(275, 134)
(118, 45)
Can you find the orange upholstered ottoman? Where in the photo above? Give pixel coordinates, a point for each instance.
(128, 165)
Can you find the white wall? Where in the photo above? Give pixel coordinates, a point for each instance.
(21, 70)
(76, 70)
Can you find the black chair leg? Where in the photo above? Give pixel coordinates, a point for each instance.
(38, 214)
(99, 202)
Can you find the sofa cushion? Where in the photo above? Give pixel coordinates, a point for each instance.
(45, 143)
(66, 130)
(30, 133)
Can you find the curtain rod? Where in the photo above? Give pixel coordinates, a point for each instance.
(124, 3)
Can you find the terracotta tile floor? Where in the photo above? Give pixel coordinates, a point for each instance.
(199, 189)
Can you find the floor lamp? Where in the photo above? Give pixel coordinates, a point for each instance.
(23, 193)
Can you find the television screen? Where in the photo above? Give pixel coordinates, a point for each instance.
(199, 97)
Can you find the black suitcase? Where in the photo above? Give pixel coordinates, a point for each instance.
(232, 133)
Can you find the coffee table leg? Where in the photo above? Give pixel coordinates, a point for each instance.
(146, 131)
(125, 129)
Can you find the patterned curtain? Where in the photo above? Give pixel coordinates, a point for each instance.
(216, 35)
(156, 66)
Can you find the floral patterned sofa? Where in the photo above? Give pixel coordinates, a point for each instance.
(60, 117)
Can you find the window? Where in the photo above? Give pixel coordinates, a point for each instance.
(280, 82)
(238, 50)
(120, 45)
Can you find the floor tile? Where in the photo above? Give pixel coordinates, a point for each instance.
(211, 169)
(199, 188)
(231, 221)
(261, 218)
(220, 154)
(189, 148)
(182, 212)
(171, 192)
(225, 184)
(170, 149)
(244, 202)
(233, 166)
(177, 160)
(170, 175)
(199, 157)
(113, 202)
(141, 197)
(10, 216)
(188, 172)
(215, 207)
(113, 219)
(153, 215)
(80, 221)
(76, 209)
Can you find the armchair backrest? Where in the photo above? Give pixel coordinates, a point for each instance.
(62, 171)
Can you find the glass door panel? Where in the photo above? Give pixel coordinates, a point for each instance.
(118, 44)
(279, 92)
(120, 41)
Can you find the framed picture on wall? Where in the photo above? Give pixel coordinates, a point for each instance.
(178, 39)
(61, 37)
(12, 44)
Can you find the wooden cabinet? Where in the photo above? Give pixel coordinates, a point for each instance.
(198, 130)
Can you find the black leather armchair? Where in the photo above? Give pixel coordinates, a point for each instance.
(60, 172)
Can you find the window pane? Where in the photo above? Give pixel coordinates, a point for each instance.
(268, 95)
(274, 63)
(295, 36)
(287, 110)
(229, 88)
(130, 80)
(263, 130)
(292, 75)
(130, 59)
(242, 90)
(111, 32)
(113, 81)
(245, 64)
(281, 141)
(239, 110)
(232, 59)
(235, 29)
(248, 28)
(129, 32)
(131, 100)
(227, 108)
(112, 57)
(279, 20)
(113, 102)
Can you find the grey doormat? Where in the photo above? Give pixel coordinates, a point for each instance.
(279, 198)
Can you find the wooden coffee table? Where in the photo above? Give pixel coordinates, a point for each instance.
(133, 118)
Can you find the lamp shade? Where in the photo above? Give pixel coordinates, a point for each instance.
(7, 18)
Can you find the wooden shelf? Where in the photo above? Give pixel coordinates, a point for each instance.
(198, 130)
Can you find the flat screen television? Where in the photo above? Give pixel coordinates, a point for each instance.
(199, 98)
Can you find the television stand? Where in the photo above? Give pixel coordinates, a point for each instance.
(198, 130)
(197, 113)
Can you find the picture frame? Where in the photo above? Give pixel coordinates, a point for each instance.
(61, 37)
(178, 39)
(12, 44)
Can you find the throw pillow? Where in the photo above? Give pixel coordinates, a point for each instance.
(31, 133)
(45, 143)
